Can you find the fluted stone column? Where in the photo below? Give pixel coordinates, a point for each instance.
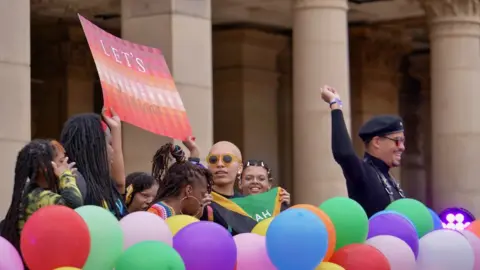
(417, 170)
(320, 56)
(15, 91)
(455, 69)
(182, 29)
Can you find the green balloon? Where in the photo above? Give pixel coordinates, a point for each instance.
(106, 236)
(348, 218)
(417, 212)
(150, 255)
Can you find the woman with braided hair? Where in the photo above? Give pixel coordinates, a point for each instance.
(141, 190)
(184, 187)
(95, 146)
(43, 177)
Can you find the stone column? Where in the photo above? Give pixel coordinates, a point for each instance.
(15, 91)
(246, 92)
(417, 171)
(375, 55)
(455, 69)
(320, 56)
(182, 30)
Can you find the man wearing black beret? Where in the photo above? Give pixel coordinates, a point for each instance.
(369, 181)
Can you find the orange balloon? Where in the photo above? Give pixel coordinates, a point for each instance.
(474, 227)
(332, 235)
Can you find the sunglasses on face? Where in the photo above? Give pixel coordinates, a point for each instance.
(226, 159)
(397, 140)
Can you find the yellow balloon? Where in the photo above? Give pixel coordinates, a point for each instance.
(177, 222)
(329, 266)
(262, 226)
(68, 268)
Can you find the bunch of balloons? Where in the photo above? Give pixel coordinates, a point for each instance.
(333, 236)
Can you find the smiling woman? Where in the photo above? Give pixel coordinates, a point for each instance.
(256, 178)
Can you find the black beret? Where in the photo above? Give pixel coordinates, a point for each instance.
(380, 126)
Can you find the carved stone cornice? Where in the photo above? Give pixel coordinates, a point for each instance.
(451, 8)
(327, 4)
(379, 49)
(453, 17)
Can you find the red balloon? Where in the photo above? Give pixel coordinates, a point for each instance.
(360, 257)
(55, 236)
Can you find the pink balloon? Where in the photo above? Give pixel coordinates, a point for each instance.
(252, 252)
(398, 252)
(475, 243)
(144, 226)
(9, 257)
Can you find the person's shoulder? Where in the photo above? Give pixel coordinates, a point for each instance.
(159, 209)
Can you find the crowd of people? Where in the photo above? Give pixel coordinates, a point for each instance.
(86, 167)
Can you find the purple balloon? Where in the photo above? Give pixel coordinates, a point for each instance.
(395, 225)
(206, 245)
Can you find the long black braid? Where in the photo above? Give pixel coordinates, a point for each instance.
(84, 140)
(172, 178)
(34, 161)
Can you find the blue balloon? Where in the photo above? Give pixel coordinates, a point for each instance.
(296, 239)
(437, 223)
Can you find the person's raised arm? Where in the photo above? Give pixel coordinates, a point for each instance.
(68, 192)
(342, 147)
(118, 165)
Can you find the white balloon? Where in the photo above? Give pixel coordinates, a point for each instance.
(398, 253)
(445, 250)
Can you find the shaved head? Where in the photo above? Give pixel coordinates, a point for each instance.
(226, 147)
(226, 166)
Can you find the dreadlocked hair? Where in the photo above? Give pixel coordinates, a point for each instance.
(172, 178)
(84, 140)
(34, 162)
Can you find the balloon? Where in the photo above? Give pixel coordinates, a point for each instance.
(252, 252)
(395, 225)
(106, 237)
(205, 245)
(445, 250)
(397, 252)
(437, 223)
(474, 227)
(262, 226)
(9, 257)
(417, 212)
(475, 244)
(329, 266)
(144, 226)
(332, 237)
(360, 257)
(294, 234)
(150, 255)
(393, 212)
(350, 228)
(55, 236)
(68, 268)
(177, 222)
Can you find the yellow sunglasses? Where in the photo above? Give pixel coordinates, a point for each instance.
(226, 159)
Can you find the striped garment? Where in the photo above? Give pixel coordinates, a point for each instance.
(162, 210)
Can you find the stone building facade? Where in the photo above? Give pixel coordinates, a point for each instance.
(250, 72)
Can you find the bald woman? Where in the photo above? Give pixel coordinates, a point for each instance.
(225, 163)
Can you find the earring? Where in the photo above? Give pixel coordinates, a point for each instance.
(196, 200)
